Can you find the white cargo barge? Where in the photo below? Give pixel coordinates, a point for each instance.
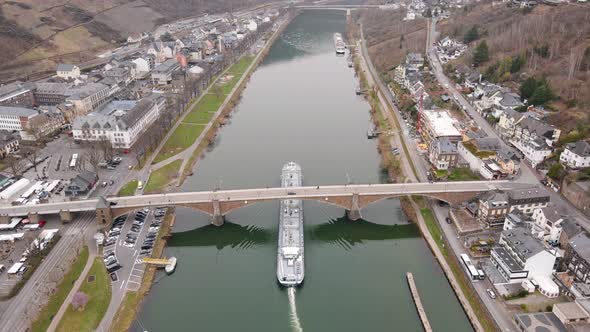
(290, 267)
(339, 44)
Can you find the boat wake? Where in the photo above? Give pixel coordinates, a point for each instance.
(295, 322)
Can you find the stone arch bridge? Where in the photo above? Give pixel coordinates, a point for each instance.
(352, 198)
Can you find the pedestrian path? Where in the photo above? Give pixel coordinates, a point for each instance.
(64, 306)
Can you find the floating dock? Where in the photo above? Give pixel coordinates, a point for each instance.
(418, 302)
(169, 264)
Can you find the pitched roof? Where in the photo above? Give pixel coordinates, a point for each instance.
(581, 245)
(580, 148)
(65, 67)
(17, 111)
(523, 242)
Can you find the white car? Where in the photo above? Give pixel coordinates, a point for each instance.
(129, 245)
(491, 293)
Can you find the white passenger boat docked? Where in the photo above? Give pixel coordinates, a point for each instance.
(290, 267)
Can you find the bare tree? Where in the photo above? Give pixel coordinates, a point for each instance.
(30, 154)
(107, 148)
(94, 157)
(15, 164)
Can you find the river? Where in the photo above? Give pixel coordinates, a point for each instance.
(298, 106)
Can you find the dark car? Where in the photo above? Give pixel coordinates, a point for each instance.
(113, 268)
(114, 277)
(146, 247)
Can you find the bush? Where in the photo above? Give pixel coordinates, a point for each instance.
(471, 35)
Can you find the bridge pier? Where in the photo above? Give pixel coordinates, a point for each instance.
(65, 216)
(33, 218)
(354, 213)
(104, 213)
(5, 219)
(218, 218)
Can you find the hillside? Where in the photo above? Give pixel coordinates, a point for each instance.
(389, 38)
(554, 43)
(36, 34)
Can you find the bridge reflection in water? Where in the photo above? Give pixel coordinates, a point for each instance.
(347, 233)
(341, 231)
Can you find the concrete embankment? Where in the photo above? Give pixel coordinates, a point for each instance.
(418, 302)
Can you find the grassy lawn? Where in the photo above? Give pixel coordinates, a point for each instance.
(472, 297)
(128, 189)
(202, 113)
(99, 293)
(183, 137)
(162, 176)
(241, 66)
(63, 289)
(462, 174)
(197, 116)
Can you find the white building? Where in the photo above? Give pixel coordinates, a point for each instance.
(16, 118)
(576, 155)
(437, 124)
(142, 67)
(520, 256)
(120, 122)
(549, 220)
(535, 151)
(68, 71)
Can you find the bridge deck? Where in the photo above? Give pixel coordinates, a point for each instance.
(262, 194)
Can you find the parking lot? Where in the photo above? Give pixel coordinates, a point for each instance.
(131, 238)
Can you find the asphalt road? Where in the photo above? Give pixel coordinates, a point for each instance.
(14, 317)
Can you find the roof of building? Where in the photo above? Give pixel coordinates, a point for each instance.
(487, 143)
(18, 111)
(445, 146)
(65, 67)
(51, 88)
(441, 122)
(507, 155)
(494, 198)
(522, 242)
(11, 90)
(478, 133)
(87, 176)
(533, 193)
(7, 137)
(553, 213)
(581, 245)
(580, 148)
(511, 100)
(117, 114)
(571, 310)
(518, 217)
(167, 66)
(570, 228)
(536, 126)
